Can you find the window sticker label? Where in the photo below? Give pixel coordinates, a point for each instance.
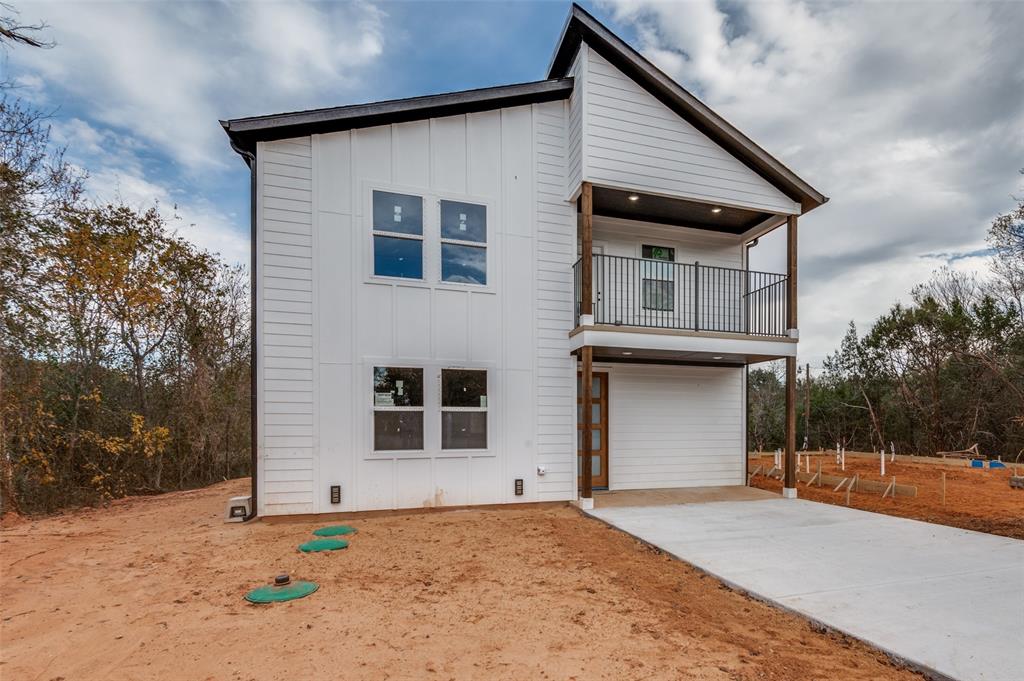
(400, 387)
(383, 400)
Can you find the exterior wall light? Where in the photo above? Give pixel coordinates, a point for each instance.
(633, 197)
(716, 210)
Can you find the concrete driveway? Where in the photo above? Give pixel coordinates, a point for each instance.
(947, 601)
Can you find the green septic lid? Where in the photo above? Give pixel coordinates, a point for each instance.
(323, 545)
(334, 530)
(282, 590)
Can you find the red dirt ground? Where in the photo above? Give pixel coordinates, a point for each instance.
(976, 499)
(151, 588)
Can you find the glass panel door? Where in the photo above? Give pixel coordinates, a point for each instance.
(598, 428)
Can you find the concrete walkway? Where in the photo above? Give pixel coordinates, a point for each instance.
(947, 601)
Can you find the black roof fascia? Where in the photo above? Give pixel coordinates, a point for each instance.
(245, 132)
(582, 27)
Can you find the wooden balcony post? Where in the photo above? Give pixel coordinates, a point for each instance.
(587, 435)
(587, 250)
(789, 486)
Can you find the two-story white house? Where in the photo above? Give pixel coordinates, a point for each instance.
(512, 294)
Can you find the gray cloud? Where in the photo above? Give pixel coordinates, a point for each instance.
(909, 115)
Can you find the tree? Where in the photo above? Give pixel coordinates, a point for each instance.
(13, 32)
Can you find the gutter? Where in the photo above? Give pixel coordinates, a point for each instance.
(250, 160)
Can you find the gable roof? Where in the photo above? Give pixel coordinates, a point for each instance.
(245, 132)
(582, 27)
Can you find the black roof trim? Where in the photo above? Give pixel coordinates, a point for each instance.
(245, 132)
(581, 26)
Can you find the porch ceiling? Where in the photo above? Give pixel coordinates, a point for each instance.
(648, 356)
(615, 203)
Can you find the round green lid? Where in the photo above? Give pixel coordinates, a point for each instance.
(323, 545)
(286, 592)
(334, 530)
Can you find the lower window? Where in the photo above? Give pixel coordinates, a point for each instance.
(397, 408)
(463, 409)
(659, 294)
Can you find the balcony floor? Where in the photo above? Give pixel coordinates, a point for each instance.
(668, 346)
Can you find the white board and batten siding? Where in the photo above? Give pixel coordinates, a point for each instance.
(326, 321)
(630, 140)
(675, 426)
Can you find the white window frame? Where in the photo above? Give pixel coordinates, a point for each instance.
(648, 266)
(375, 408)
(485, 244)
(421, 237)
(443, 409)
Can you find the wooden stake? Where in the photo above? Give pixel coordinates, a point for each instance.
(943, 489)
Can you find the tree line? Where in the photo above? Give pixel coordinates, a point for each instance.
(124, 348)
(941, 373)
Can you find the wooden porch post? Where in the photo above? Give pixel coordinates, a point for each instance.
(587, 352)
(587, 250)
(587, 445)
(789, 486)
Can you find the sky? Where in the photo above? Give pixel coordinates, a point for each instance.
(909, 115)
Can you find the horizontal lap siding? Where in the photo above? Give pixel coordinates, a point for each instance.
(555, 252)
(574, 130)
(633, 140)
(285, 318)
(675, 427)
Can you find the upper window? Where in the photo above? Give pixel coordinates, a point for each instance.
(397, 235)
(463, 409)
(659, 285)
(666, 253)
(463, 243)
(397, 408)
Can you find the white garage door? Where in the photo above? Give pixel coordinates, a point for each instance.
(675, 427)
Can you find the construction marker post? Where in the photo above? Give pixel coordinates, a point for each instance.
(881, 458)
(943, 488)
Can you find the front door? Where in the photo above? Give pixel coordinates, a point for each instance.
(599, 427)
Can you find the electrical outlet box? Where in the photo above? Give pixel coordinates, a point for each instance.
(238, 509)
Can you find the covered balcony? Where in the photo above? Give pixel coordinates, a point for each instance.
(652, 294)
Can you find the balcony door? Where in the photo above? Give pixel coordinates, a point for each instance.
(599, 428)
(659, 286)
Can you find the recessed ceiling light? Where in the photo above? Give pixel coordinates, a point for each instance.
(627, 353)
(717, 357)
(634, 197)
(716, 209)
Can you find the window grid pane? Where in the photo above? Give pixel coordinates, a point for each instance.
(397, 257)
(397, 387)
(464, 430)
(401, 213)
(397, 430)
(463, 388)
(463, 221)
(462, 264)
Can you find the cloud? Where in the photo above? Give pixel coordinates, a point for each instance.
(137, 89)
(168, 71)
(908, 115)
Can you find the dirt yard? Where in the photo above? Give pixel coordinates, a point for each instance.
(151, 588)
(976, 499)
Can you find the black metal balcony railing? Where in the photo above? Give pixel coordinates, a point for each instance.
(671, 295)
